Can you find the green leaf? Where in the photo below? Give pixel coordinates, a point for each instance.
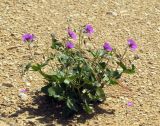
(92, 52)
(100, 94)
(50, 78)
(36, 67)
(100, 53)
(126, 70)
(51, 92)
(105, 78)
(122, 65)
(71, 104)
(96, 84)
(116, 74)
(102, 65)
(130, 71)
(45, 89)
(55, 92)
(87, 108)
(55, 44)
(47, 61)
(112, 81)
(92, 97)
(63, 58)
(66, 81)
(27, 67)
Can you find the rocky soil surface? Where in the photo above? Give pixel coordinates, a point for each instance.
(113, 20)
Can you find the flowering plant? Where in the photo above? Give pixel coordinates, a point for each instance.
(81, 72)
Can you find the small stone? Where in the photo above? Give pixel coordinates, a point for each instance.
(30, 77)
(32, 123)
(123, 11)
(4, 114)
(158, 28)
(38, 53)
(112, 13)
(109, 99)
(23, 96)
(7, 85)
(28, 83)
(7, 99)
(3, 123)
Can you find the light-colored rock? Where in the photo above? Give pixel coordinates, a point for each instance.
(23, 96)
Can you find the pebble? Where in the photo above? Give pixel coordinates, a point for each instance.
(23, 96)
(112, 13)
(109, 99)
(28, 83)
(3, 123)
(30, 77)
(7, 100)
(18, 108)
(7, 85)
(123, 11)
(158, 28)
(38, 53)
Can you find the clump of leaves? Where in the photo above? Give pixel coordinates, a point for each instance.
(81, 73)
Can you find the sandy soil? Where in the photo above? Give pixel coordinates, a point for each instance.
(115, 21)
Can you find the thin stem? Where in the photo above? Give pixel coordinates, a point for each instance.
(125, 51)
(80, 35)
(41, 51)
(108, 61)
(47, 48)
(50, 64)
(29, 47)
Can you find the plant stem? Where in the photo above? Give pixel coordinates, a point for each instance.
(80, 38)
(41, 51)
(124, 53)
(50, 64)
(31, 55)
(122, 57)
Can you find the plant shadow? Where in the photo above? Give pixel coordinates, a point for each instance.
(49, 111)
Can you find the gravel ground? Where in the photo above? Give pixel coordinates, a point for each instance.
(115, 21)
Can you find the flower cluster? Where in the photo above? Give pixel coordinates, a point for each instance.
(89, 30)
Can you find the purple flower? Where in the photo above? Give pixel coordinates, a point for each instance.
(89, 29)
(72, 34)
(24, 90)
(107, 47)
(69, 45)
(130, 104)
(28, 37)
(132, 44)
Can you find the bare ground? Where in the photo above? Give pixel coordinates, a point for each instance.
(115, 21)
